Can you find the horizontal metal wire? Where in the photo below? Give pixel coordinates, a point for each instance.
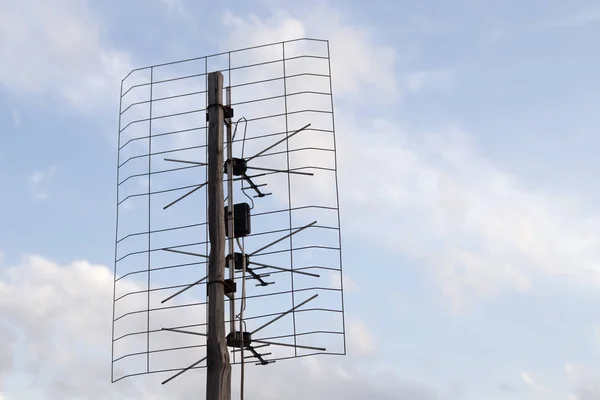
(254, 215)
(179, 114)
(162, 81)
(233, 362)
(205, 242)
(204, 146)
(246, 66)
(261, 254)
(283, 210)
(145, 271)
(297, 249)
(267, 173)
(163, 230)
(259, 233)
(143, 353)
(175, 266)
(257, 100)
(316, 288)
(176, 189)
(279, 79)
(262, 46)
(155, 135)
(281, 96)
(270, 315)
(158, 99)
(252, 119)
(157, 173)
(276, 272)
(158, 371)
(289, 336)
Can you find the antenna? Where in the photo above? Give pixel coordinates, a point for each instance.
(228, 241)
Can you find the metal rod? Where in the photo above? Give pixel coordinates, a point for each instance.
(289, 185)
(180, 331)
(281, 170)
(230, 209)
(253, 185)
(184, 252)
(254, 275)
(149, 216)
(297, 346)
(337, 198)
(184, 289)
(112, 352)
(183, 370)
(206, 171)
(283, 269)
(254, 347)
(185, 162)
(185, 195)
(278, 142)
(282, 238)
(284, 314)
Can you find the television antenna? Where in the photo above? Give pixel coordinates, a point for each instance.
(284, 98)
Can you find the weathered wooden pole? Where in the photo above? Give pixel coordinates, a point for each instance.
(218, 376)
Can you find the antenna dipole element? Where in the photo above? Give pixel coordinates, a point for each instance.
(218, 377)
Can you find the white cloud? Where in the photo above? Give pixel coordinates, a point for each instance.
(37, 181)
(7, 337)
(357, 61)
(58, 48)
(177, 7)
(360, 339)
(481, 229)
(429, 80)
(350, 285)
(529, 381)
(574, 382)
(63, 330)
(585, 382)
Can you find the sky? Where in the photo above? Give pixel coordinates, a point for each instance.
(466, 157)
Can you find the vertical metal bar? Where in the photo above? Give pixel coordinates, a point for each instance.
(149, 216)
(206, 179)
(112, 352)
(218, 375)
(337, 196)
(230, 203)
(287, 145)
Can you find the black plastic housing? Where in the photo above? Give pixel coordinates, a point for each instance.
(241, 220)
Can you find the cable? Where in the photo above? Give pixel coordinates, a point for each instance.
(241, 314)
(251, 199)
(236, 126)
(243, 145)
(244, 140)
(243, 305)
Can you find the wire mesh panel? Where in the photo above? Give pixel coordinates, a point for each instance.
(282, 180)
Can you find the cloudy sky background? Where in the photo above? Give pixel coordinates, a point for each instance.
(470, 125)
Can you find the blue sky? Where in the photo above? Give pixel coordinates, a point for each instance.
(471, 127)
